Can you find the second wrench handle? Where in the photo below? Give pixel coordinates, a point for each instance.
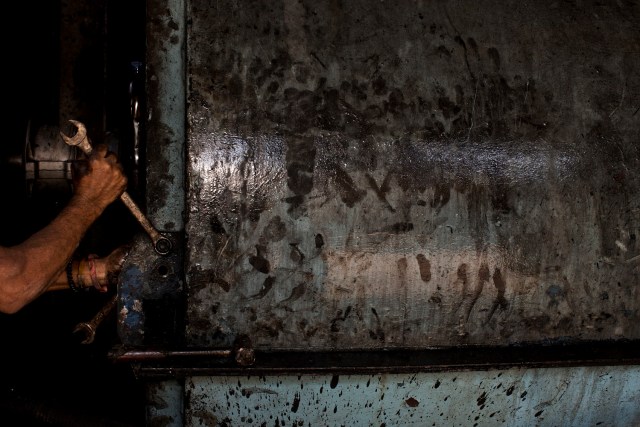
(104, 311)
(161, 244)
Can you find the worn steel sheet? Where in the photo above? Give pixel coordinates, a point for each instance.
(603, 396)
(362, 175)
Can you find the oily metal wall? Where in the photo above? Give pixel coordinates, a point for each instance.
(371, 175)
(585, 396)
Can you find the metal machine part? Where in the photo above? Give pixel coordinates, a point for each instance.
(47, 161)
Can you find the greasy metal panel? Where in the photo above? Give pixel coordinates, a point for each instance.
(438, 173)
(605, 396)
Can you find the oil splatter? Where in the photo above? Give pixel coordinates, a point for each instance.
(482, 399)
(378, 334)
(222, 283)
(259, 262)
(495, 57)
(334, 381)
(381, 192)
(296, 293)
(462, 276)
(296, 403)
(300, 158)
(402, 271)
(275, 230)
(266, 287)
(425, 267)
(216, 226)
(349, 193)
(246, 392)
(441, 196)
(340, 317)
(412, 402)
(296, 254)
(501, 286)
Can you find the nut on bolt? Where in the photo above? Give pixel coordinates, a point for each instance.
(245, 356)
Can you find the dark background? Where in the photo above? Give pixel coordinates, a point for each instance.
(47, 376)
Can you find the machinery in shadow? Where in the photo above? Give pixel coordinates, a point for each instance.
(83, 61)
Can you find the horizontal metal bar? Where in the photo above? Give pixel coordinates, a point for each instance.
(207, 362)
(149, 355)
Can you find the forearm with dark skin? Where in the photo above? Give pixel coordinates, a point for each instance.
(93, 272)
(29, 268)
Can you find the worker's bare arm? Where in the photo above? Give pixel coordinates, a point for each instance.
(27, 269)
(93, 272)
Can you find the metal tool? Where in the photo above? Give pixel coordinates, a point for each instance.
(161, 244)
(89, 328)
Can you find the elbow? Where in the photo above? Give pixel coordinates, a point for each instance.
(12, 296)
(10, 309)
(10, 304)
(12, 289)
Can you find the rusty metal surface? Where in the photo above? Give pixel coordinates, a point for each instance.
(439, 174)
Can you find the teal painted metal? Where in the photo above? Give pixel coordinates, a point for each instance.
(581, 396)
(154, 283)
(164, 403)
(166, 86)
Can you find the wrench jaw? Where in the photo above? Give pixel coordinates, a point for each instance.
(80, 139)
(88, 330)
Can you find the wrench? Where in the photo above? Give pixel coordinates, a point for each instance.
(89, 328)
(161, 244)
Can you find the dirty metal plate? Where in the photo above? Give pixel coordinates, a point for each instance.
(516, 397)
(367, 176)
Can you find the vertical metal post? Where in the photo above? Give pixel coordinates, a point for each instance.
(166, 115)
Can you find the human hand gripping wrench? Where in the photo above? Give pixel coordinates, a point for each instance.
(161, 244)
